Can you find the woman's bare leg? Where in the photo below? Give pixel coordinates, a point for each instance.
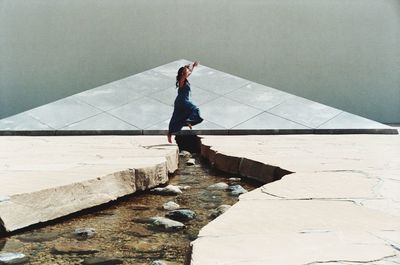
(169, 138)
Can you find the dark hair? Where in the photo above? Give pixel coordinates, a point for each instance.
(179, 76)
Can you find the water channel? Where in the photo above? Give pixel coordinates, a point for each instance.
(121, 235)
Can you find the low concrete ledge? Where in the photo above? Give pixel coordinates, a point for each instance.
(243, 166)
(68, 174)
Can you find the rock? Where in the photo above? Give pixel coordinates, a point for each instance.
(185, 154)
(38, 237)
(140, 207)
(182, 215)
(235, 179)
(101, 261)
(219, 210)
(236, 190)
(168, 190)
(73, 248)
(184, 187)
(158, 262)
(218, 186)
(170, 206)
(84, 233)
(12, 258)
(190, 162)
(166, 224)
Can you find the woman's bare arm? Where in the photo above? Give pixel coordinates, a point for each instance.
(193, 65)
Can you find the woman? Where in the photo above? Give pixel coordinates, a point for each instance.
(185, 112)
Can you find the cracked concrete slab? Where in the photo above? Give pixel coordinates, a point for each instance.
(339, 206)
(43, 178)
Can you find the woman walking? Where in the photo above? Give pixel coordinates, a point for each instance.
(185, 112)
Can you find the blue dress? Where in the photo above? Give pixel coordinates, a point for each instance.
(184, 110)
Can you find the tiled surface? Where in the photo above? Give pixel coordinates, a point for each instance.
(22, 121)
(304, 111)
(259, 96)
(63, 112)
(143, 112)
(227, 113)
(145, 101)
(102, 121)
(347, 120)
(269, 121)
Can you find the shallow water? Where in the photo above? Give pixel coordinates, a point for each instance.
(120, 234)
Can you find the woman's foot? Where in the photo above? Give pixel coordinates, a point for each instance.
(169, 138)
(189, 125)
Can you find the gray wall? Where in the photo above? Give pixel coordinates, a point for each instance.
(343, 53)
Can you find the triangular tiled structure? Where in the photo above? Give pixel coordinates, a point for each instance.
(143, 104)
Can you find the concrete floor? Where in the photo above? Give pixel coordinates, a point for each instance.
(341, 204)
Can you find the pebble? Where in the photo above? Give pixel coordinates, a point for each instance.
(182, 215)
(168, 190)
(218, 186)
(190, 162)
(158, 262)
(84, 233)
(235, 179)
(219, 210)
(170, 206)
(166, 224)
(236, 190)
(185, 154)
(101, 261)
(12, 258)
(140, 207)
(184, 187)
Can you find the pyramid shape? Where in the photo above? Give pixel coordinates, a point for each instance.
(143, 104)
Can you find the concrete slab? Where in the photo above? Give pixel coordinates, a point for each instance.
(228, 101)
(340, 204)
(43, 178)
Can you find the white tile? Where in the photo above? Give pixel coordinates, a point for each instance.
(143, 113)
(347, 120)
(63, 112)
(269, 121)
(304, 111)
(22, 121)
(227, 113)
(259, 96)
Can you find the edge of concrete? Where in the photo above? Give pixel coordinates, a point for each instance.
(198, 132)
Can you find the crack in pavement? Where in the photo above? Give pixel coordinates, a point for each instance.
(352, 261)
